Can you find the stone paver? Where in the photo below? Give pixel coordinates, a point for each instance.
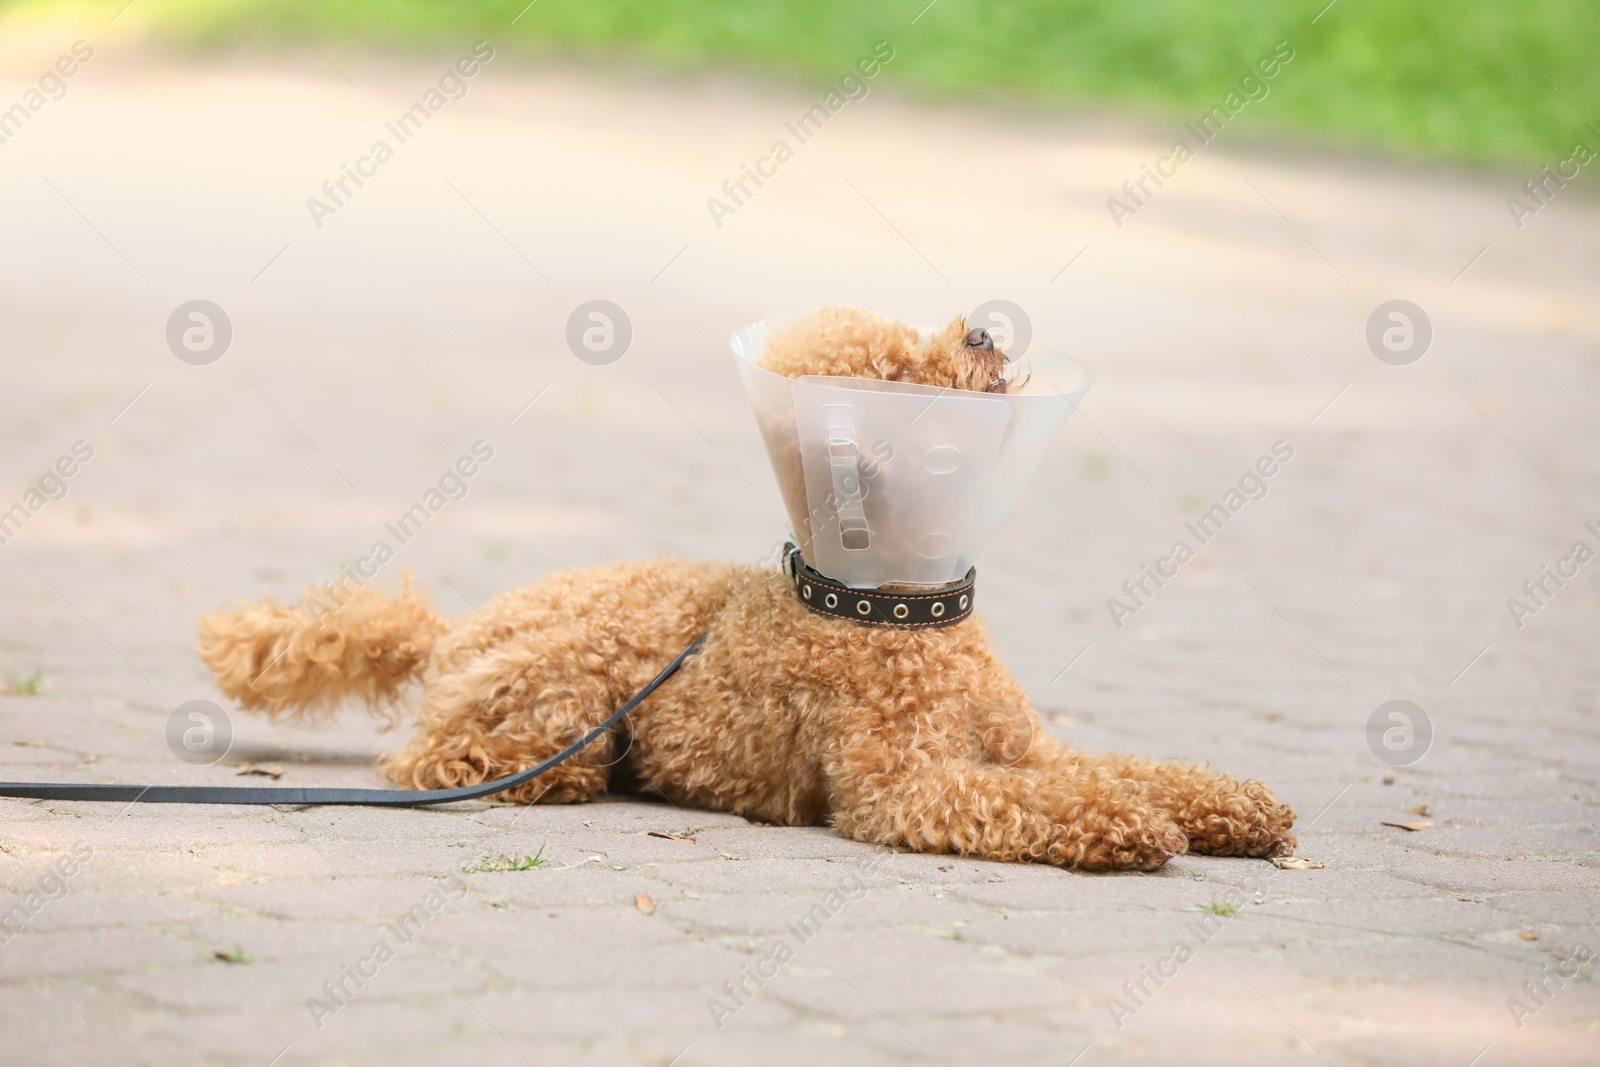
(430, 312)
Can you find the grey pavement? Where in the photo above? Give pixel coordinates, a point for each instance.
(430, 312)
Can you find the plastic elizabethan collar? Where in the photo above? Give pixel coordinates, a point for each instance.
(888, 483)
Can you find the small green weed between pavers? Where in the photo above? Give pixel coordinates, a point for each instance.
(491, 864)
(1227, 911)
(236, 954)
(17, 685)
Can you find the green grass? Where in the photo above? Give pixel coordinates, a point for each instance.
(1460, 79)
(17, 685)
(236, 954)
(1227, 911)
(491, 864)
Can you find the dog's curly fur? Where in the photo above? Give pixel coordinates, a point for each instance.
(913, 738)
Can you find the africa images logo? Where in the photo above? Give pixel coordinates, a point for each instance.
(452, 85)
(851, 87)
(1204, 129)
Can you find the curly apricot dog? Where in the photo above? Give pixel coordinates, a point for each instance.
(912, 738)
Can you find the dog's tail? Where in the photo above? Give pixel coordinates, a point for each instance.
(301, 661)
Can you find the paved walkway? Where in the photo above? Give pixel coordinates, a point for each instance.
(430, 311)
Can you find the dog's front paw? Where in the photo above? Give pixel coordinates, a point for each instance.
(1248, 821)
(1139, 840)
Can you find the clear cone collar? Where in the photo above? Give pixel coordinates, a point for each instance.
(888, 483)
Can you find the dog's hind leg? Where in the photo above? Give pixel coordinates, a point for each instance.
(503, 711)
(1220, 815)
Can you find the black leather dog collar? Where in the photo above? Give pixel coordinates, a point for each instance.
(921, 609)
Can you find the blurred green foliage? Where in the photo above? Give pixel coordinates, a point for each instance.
(1483, 80)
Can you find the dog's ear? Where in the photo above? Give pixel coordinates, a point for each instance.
(843, 341)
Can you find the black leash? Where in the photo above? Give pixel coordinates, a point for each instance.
(376, 798)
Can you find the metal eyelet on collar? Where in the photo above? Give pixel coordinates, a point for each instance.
(863, 607)
(831, 600)
(938, 609)
(901, 611)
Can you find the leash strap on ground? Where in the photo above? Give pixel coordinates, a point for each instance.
(377, 798)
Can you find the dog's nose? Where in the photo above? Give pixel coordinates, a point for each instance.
(980, 338)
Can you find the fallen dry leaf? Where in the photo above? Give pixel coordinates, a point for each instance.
(1420, 809)
(265, 772)
(1388, 779)
(671, 837)
(1527, 935)
(947, 867)
(1424, 824)
(29, 744)
(642, 901)
(1294, 863)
